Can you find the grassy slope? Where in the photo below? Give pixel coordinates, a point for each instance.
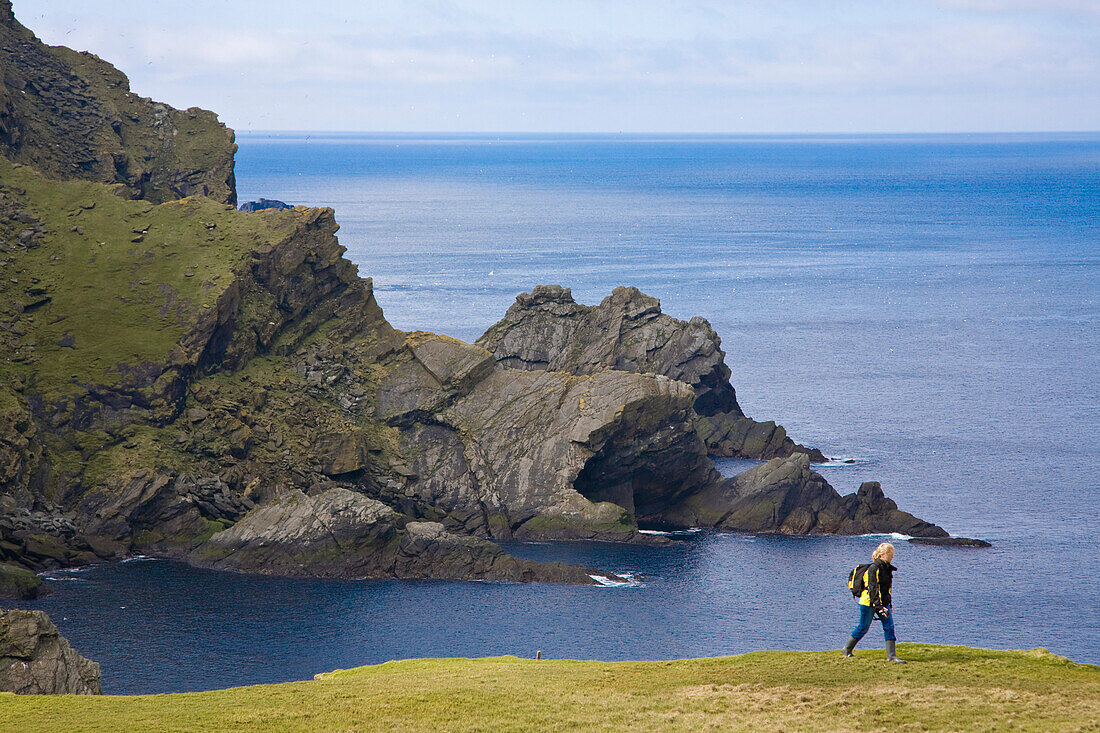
(942, 688)
(118, 274)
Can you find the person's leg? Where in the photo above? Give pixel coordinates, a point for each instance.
(865, 616)
(891, 639)
(888, 627)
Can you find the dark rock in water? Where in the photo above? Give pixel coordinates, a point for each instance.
(547, 330)
(21, 584)
(950, 541)
(786, 497)
(343, 534)
(36, 660)
(263, 204)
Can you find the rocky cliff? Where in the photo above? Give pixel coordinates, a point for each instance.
(547, 330)
(72, 115)
(36, 660)
(186, 380)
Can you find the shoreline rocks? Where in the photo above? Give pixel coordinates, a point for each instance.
(21, 584)
(342, 534)
(785, 496)
(950, 541)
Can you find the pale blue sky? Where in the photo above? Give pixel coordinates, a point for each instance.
(603, 65)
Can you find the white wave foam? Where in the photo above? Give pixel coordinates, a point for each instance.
(839, 462)
(55, 579)
(671, 533)
(628, 581)
(893, 535)
(136, 558)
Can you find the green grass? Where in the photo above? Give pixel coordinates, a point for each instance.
(125, 279)
(942, 688)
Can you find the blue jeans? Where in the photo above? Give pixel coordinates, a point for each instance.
(866, 615)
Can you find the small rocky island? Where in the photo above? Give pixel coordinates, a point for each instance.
(182, 379)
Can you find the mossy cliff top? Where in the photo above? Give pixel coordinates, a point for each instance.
(942, 688)
(72, 115)
(95, 286)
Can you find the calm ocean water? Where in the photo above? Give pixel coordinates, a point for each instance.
(927, 306)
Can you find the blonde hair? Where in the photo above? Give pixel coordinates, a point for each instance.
(882, 551)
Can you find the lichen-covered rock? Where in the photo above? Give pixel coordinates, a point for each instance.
(547, 330)
(342, 534)
(20, 584)
(785, 496)
(36, 660)
(560, 456)
(72, 115)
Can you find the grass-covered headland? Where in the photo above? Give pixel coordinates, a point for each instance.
(942, 688)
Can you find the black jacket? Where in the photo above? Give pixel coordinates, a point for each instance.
(880, 577)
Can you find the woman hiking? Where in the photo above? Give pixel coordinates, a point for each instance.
(875, 601)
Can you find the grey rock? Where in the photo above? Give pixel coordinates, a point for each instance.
(547, 330)
(36, 660)
(264, 204)
(342, 534)
(785, 496)
(558, 456)
(339, 453)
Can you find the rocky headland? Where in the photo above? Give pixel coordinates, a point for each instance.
(182, 379)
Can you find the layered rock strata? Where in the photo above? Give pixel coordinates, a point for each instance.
(341, 533)
(785, 496)
(547, 330)
(36, 660)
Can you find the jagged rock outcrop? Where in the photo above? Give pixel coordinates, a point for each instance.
(342, 534)
(263, 205)
(36, 660)
(785, 496)
(547, 330)
(72, 115)
(495, 452)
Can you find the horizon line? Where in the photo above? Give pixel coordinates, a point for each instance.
(661, 133)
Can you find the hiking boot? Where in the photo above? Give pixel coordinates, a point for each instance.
(891, 655)
(849, 646)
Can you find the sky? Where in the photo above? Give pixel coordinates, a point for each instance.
(749, 66)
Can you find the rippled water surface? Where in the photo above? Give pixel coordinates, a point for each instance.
(924, 305)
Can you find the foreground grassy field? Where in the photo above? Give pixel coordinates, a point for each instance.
(942, 688)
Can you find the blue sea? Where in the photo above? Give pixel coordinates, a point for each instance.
(926, 306)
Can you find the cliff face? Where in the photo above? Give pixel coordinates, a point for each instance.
(186, 380)
(36, 660)
(547, 329)
(72, 115)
